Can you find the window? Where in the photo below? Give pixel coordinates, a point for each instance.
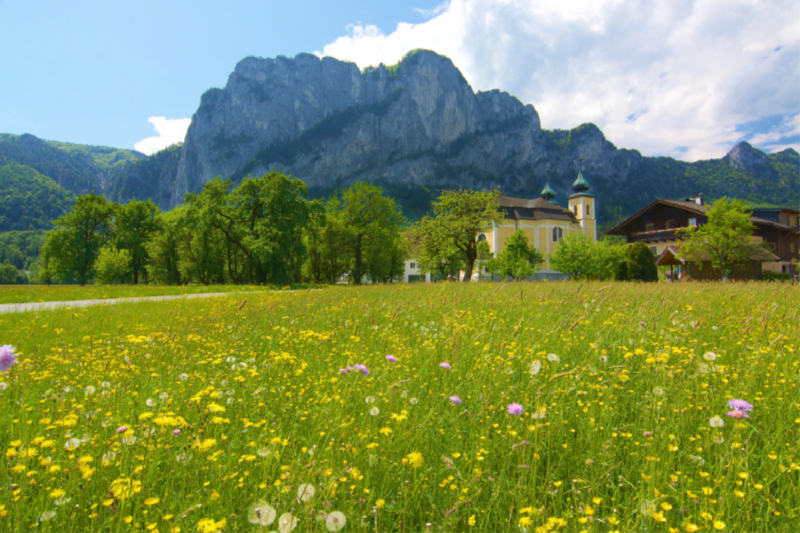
(654, 249)
(588, 209)
(772, 246)
(650, 227)
(412, 265)
(693, 222)
(558, 234)
(793, 221)
(792, 248)
(670, 224)
(481, 237)
(783, 219)
(575, 209)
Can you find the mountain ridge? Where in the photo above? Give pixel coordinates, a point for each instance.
(413, 128)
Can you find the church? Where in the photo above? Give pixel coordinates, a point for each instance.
(545, 222)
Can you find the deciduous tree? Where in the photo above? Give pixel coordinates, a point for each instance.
(724, 239)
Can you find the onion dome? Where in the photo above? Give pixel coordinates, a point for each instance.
(548, 193)
(580, 185)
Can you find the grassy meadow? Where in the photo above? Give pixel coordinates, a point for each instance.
(518, 407)
(13, 294)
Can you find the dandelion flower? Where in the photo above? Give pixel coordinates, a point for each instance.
(305, 492)
(553, 358)
(72, 444)
(535, 367)
(374, 411)
(370, 399)
(455, 399)
(261, 514)
(88, 391)
(413, 401)
(7, 357)
(287, 522)
(658, 391)
(335, 521)
(47, 515)
(445, 365)
(151, 501)
(515, 409)
(391, 358)
(710, 356)
(415, 459)
(716, 422)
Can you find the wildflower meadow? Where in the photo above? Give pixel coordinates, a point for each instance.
(530, 407)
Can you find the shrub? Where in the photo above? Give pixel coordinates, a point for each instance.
(641, 265)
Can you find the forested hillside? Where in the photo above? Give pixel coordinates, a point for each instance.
(78, 168)
(28, 199)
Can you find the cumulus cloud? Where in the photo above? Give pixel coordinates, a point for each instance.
(666, 77)
(169, 130)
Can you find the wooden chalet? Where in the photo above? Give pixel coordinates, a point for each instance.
(656, 225)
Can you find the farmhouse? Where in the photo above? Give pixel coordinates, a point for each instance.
(656, 225)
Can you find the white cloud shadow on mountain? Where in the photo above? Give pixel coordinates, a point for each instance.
(666, 77)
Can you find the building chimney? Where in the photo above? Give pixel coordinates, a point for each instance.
(699, 199)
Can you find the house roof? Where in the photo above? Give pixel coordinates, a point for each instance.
(691, 207)
(533, 209)
(671, 256)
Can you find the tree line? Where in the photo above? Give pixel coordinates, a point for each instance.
(265, 231)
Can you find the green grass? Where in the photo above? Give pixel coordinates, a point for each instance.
(11, 294)
(615, 433)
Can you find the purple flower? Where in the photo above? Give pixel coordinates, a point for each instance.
(740, 405)
(648, 434)
(455, 399)
(345, 370)
(740, 408)
(7, 357)
(176, 432)
(515, 409)
(363, 368)
(122, 429)
(391, 358)
(445, 365)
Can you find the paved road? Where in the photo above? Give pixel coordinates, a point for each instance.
(38, 306)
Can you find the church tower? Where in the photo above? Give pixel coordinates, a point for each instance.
(582, 206)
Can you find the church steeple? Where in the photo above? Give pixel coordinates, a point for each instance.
(580, 185)
(548, 193)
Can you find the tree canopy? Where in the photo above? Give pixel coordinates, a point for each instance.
(724, 239)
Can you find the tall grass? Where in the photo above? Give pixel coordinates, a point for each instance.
(183, 415)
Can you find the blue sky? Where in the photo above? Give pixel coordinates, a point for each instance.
(687, 78)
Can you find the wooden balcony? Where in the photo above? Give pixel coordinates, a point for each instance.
(653, 236)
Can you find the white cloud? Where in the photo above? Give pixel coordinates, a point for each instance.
(170, 131)
(775, 139)
(669, 77)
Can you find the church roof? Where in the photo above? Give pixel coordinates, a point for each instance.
(533, 209)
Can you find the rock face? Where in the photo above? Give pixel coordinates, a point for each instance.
(416, 124)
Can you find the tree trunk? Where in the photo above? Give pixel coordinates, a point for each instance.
(357, 269)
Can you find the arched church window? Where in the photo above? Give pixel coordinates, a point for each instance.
(481, 237)
(558, 234)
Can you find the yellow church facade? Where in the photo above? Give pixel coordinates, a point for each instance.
(545, 222)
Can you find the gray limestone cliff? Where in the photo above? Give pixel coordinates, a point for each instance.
(413, 127)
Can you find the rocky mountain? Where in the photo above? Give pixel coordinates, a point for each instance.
(418, 126)
(413, 128)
